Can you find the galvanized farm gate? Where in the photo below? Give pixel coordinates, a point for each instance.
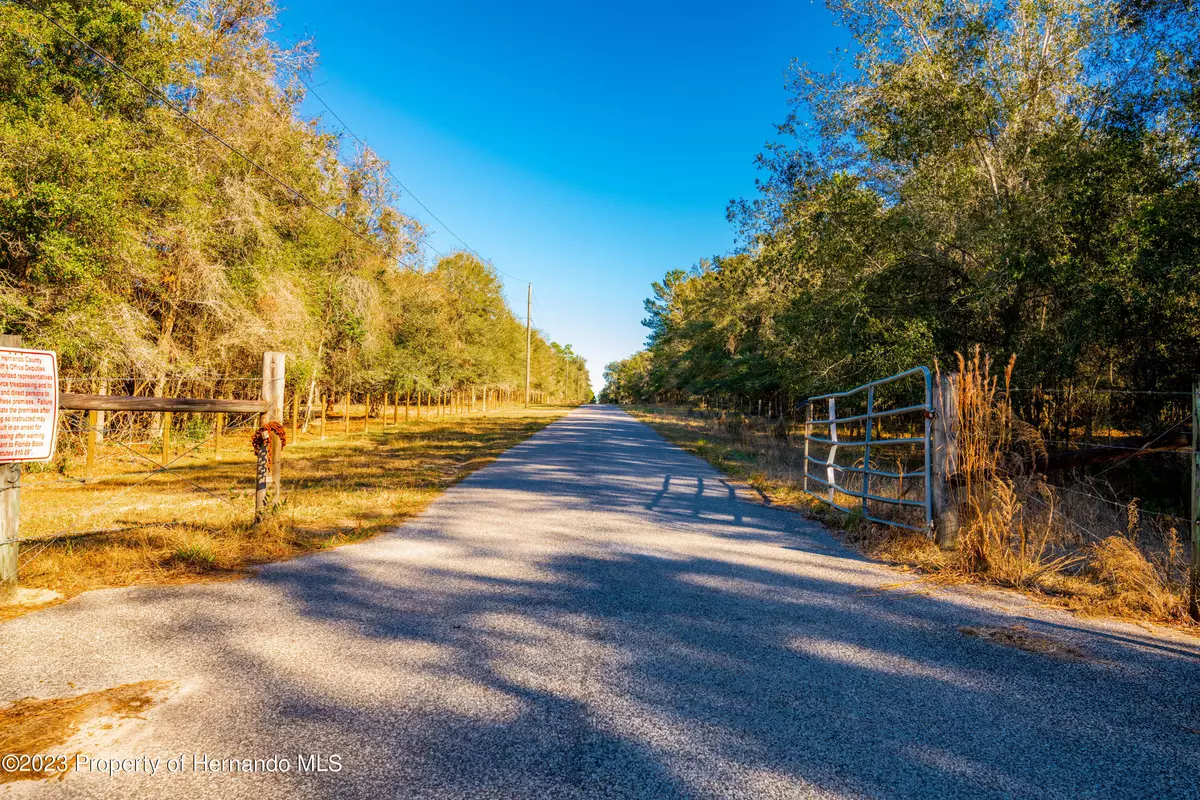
(833, 479)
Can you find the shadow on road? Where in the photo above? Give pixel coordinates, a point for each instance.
(597, 614)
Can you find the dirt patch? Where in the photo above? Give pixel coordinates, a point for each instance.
(33, 726)
(1022, 638)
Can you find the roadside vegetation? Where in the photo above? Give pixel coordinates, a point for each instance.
(1003, 177)
(1016, 529)
(196, 520)
(155, 261)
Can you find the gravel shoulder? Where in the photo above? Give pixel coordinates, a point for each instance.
(598, 614)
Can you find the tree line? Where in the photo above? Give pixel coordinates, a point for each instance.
(1019, 175)
(140, 249)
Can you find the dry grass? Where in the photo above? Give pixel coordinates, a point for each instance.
(195, 521)
(33, 726)
(1016, 529)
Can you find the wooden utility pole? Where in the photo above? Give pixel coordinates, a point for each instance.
(528, 337)
(10, 510)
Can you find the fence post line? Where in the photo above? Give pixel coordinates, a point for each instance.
(1194, 599)
(407, 402)
(10, 510)
(366, 414)
(346, 417)
(272, 392)
(384, 409)
(945, 460)
(485, 393)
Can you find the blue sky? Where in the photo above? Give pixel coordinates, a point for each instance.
(586, 147)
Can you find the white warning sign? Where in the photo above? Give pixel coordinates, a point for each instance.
(28, 404)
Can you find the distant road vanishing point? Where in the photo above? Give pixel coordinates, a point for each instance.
(598, 614)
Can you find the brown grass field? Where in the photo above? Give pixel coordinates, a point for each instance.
(195, 521)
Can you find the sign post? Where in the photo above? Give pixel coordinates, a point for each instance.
(28, 424)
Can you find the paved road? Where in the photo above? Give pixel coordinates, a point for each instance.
(597, 615)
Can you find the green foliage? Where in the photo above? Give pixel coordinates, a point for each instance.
(133, 244)
(1017, 174)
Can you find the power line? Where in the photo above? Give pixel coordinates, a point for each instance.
(167, 101)
(400, 183)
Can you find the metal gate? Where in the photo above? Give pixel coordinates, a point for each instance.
(834, 479)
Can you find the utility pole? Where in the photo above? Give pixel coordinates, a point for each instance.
(528, 337)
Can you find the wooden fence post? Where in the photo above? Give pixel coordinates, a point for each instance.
(220, 428)
(384, 409)
(1194, 599)
(272, 392)
(101, 416)
(89, 468)
(166, 438)
(346, 417)
(945, 460)
(485, 394)
(407, 402)
(418, 405)
(366, 414)
(10, 510)
(324, 401)
(807, 434)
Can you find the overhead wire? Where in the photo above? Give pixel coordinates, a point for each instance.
(400, 183)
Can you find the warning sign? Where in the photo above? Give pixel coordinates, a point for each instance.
(28, 404)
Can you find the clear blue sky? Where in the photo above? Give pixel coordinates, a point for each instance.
(586, 147)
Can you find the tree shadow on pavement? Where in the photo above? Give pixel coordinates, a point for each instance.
(598, 615)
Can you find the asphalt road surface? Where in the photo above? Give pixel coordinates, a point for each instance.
(597, 614)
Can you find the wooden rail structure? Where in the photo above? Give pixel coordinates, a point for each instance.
(269, 408)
